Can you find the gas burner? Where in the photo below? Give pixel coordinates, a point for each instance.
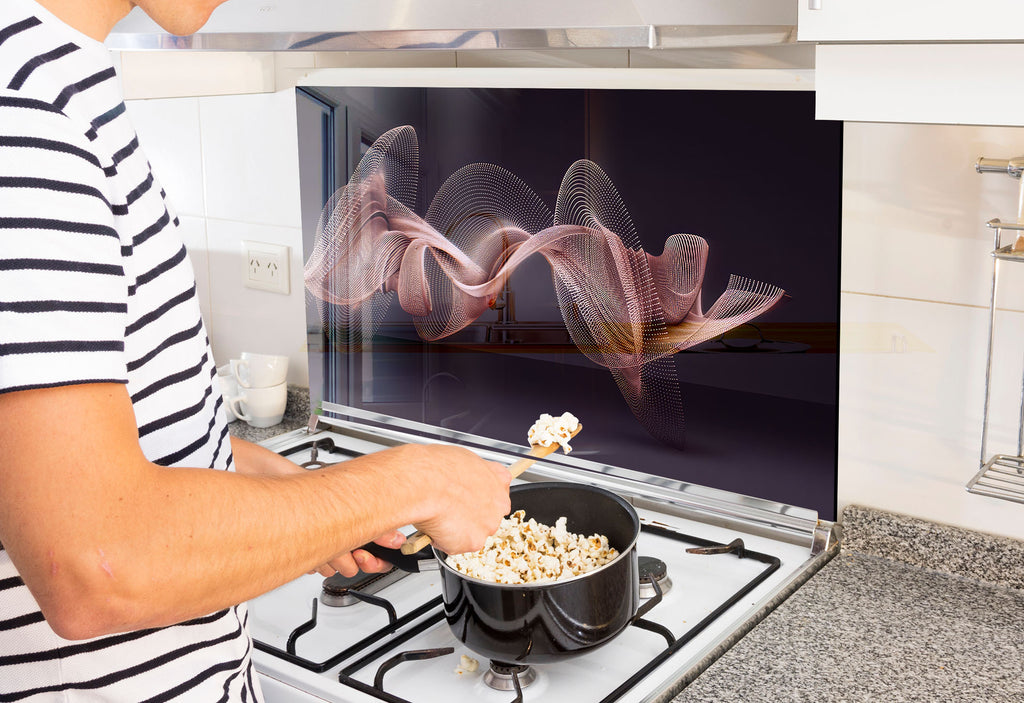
(500, 676)
(651, 567)
(321, 444)
(314, 463)
(340, 591)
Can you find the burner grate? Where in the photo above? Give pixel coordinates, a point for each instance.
(432, 613)
(321, 667)
(342, 591)
(771, 563)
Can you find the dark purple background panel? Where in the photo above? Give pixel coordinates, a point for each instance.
(751, 172)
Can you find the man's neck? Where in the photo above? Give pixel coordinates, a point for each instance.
(94, 18)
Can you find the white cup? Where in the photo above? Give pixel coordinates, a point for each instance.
(260, 407)
(259, 370)
(228, 388)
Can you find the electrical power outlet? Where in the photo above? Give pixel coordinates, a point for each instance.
(265, 266)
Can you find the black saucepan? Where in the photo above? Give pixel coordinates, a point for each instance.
(543, 622)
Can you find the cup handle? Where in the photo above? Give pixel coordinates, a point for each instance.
(235, 403)
(241, 370)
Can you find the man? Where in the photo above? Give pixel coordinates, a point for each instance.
(123, 555)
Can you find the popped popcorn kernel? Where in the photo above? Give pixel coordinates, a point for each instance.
(525, 551)
(548, 430)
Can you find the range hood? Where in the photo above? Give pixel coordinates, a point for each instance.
(368, 25)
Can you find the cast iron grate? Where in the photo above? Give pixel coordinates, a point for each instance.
(434, 613)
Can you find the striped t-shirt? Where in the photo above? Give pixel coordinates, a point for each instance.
(95, 286)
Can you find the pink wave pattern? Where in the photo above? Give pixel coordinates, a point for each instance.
(624, 308)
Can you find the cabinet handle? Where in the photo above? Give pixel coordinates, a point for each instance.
(813, 4)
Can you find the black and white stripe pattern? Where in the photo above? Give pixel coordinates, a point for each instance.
(96, 286)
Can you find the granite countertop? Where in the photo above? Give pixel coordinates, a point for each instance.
(296, 415)
(908, 611)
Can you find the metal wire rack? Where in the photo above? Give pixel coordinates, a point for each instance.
(1001, 475)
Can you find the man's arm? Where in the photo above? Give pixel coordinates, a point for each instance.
(107, 541)
(251, 458)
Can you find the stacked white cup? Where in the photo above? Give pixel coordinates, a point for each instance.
(255, 389)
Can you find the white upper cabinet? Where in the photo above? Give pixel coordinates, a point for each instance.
(910, 20)
(921, 61)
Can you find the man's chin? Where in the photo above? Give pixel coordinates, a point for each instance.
(181, 19)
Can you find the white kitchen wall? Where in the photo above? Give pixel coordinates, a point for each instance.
(229, 165)
(916, 275)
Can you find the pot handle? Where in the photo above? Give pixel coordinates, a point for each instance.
(414, 563)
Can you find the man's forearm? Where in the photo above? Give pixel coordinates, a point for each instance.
(252, 459)
(212, 539)
(181, 543)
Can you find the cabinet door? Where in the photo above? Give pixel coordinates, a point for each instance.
(910, 20)
(944, 83)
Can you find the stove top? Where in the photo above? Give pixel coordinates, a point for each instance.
(384, 637)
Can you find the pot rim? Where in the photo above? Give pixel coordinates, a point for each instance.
(440, 555)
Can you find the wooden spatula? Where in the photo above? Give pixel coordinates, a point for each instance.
(418, 540)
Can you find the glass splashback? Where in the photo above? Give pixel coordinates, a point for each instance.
(663, 264)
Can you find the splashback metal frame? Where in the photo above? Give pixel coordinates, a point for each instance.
(789, 523)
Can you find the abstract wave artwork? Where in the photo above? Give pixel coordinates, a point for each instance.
(626, 309)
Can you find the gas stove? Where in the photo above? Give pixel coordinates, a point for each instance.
(713, 564)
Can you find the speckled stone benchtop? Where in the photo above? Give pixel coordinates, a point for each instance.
(296, 415)
(908, 611)
(929, 545)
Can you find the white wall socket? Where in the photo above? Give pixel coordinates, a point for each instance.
(265, 266)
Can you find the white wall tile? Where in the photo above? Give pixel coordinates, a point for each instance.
(294, 59)
(250, 158)
(169, 74)
(910, 421)
(293, 68)
(193, 234)
(245, 319)
(914, 210)
(168, 131)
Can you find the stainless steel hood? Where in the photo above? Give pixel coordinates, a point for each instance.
(368, 25)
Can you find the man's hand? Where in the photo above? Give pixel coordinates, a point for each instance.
(351, 563)
(462, 496)
(466, 496)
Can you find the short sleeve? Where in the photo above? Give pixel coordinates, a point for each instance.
(63, 291)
